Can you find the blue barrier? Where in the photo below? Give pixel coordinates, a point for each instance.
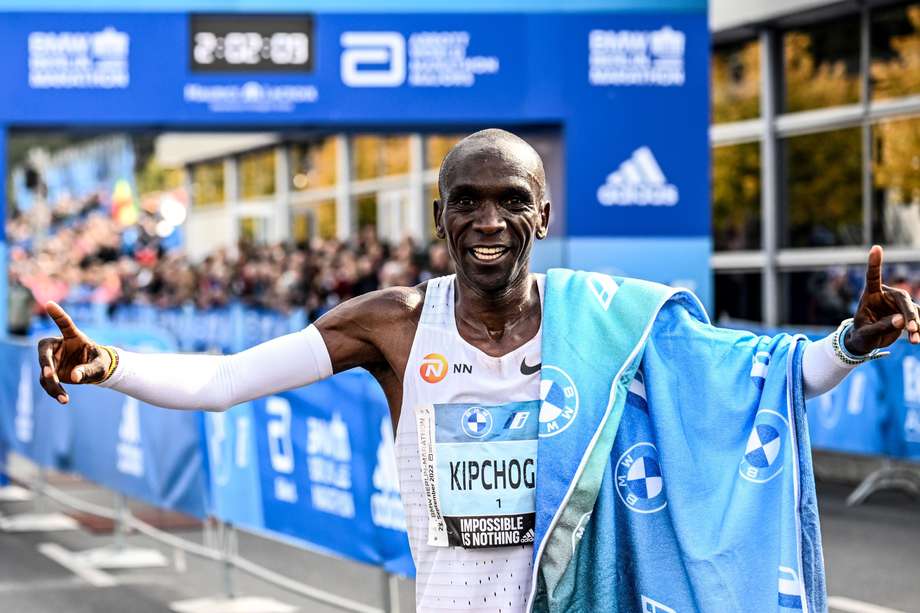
(227, 330)
(314, 465)
(148, 453)
(875, 411)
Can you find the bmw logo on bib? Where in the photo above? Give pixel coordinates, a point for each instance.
(559, 398)
(476, 422)
(639, 481)
(763, 455)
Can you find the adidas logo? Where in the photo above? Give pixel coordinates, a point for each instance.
(638, 181)
(528, 537)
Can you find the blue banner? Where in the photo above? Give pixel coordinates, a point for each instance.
(148, 453)
(875, 410)
(315, 465)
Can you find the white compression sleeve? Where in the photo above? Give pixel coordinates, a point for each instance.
(216, 382)
(822, 370)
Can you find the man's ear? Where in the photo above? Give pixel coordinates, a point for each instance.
(438, 222)
(543, 228)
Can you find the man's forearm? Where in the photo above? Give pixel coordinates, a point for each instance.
(215, 382)
(821, 369)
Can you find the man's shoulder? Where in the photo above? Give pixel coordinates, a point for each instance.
(399, 303)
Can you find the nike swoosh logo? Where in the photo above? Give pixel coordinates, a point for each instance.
(530, 370)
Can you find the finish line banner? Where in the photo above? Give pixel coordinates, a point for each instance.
(625, 84)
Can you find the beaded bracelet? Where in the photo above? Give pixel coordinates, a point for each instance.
(845, 356)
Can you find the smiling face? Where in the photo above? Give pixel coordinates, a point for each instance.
(492, 209)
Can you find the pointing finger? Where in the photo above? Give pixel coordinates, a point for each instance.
(874, 271)
(63, 320)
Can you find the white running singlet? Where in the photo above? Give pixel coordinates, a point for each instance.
(484, 441)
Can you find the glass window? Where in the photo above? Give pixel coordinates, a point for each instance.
(827, 296)
(896, 182)
(365, 208)
(821, 65)
(379, 156)
(738, 296)
(313, 164)
(736, 82)
(437, 146)
(208, 183)
(823, 203)
(895, 67)
(253, 230)
(736, 197)
(821, 297)
(257, 174)
(317, 220)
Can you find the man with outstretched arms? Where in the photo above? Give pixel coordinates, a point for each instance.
(459, 359)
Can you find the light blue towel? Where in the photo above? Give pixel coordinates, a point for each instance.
(674, 467)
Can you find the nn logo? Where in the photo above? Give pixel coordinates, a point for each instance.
(433, 368)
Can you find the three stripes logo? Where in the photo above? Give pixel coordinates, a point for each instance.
(639, 181)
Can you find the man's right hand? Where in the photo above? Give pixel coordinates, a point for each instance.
(70, 358)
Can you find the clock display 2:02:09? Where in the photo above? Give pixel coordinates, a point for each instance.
(252, 48)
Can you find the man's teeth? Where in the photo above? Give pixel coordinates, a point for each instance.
(488, 253)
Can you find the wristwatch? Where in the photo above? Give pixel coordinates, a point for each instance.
(845, 356)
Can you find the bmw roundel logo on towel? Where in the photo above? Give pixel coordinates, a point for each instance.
(760, 364)
(639, 481)
(559, 398)
(476, 422)
(763, 454)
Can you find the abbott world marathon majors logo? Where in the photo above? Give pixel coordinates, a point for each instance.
(639, 181)
(559, 398)
(430, 59)
(763, 455)
(639, 482)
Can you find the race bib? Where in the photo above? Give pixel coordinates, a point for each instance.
(479, 471)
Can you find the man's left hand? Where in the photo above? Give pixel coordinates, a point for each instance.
(883, 313)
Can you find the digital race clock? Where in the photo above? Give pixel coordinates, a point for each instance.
(251, 43)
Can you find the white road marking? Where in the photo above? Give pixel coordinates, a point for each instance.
(848, 605)
(74, 564)
(42, 585)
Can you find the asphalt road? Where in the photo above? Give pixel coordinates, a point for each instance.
(872, 555)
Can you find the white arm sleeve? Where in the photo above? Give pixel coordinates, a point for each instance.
(821, 368)
(216, 382)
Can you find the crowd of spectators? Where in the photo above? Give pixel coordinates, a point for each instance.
(78, 253)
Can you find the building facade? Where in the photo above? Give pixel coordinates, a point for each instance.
(815, 154)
